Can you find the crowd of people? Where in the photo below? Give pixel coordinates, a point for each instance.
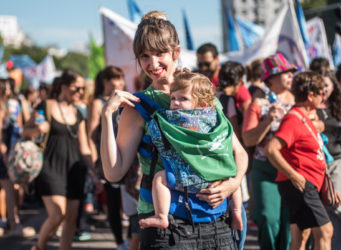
(184, 156)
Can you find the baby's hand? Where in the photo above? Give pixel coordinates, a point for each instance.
(237, 220)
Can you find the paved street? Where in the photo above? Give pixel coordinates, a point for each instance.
(101, 239)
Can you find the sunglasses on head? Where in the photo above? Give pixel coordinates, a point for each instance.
(204, 64)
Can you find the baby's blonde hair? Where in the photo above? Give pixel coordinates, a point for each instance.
(202, 88)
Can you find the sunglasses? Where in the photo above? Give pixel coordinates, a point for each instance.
(204, 64)
(78, 89)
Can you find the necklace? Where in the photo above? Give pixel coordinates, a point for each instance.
(68, 128)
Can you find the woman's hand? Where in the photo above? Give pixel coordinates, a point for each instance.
(338, 199)
(298, 181)
(119, 99)
(217, 192)
(275, 112)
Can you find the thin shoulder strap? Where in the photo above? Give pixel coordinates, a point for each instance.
(48, 118)
(305, 123)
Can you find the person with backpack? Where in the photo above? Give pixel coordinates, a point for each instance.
(156, 47)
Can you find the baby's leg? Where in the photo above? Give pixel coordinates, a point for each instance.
(161, 201)
(236, 203)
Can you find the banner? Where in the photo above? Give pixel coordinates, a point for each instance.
(281, 36)
(43, 72)
(337, 50)
(318, 40)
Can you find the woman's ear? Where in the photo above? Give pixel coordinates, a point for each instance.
(176, 52)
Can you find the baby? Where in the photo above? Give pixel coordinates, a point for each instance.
(189, 91)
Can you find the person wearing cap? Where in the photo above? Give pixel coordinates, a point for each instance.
(260, 123)
(296, 150)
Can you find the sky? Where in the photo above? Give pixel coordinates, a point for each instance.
(68, 23)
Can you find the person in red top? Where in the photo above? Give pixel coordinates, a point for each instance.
(296, 151)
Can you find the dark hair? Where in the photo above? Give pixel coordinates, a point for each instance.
(254, 70)
(318, 64)
(155, 33)
(208, 47)
(55, 88)
(68, 77)
(305, 82)
(335, 97)
(99, 86)
(230, 74)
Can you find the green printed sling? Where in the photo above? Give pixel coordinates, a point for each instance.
(208, 154)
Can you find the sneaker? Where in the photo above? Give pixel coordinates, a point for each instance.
(82, 236)
(22, 232)
(59, 231)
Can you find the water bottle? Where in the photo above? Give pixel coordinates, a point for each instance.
(40, 118)
(272, 98)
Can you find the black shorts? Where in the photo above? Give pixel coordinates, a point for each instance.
(134, 224)
(305, 209)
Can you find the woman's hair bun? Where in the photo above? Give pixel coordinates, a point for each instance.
(155, 14)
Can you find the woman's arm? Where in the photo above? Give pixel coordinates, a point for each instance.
(118, 155)
(272, 151)
(255, 130)
(94, 118)
(84, 147)
(220, 190)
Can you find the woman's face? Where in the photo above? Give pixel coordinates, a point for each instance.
(75, 90)
(328, 90)
(158, 65)
(282, 81)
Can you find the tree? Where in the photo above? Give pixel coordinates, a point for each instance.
(313, 4)
(74, 60)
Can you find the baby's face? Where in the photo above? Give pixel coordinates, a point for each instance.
(182, 99)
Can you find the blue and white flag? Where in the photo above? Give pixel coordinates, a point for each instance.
(337, 50)
(302, 24)
(134, 11)
(189, 40)
(250, 32)
(232, 38)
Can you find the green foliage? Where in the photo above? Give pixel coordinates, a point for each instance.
(36, 53)
(77, 61)
(74, 60)
(313, 4)
(96, 58)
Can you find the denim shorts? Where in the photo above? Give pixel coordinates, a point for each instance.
(181, 235)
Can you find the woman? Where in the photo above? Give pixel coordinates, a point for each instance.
(260, 123)
(296, 151)
(107, 81)
(61, 181)
(156, 47)
(330, 113)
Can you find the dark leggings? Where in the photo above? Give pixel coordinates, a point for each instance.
(114, 211)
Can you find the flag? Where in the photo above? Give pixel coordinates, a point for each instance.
(189, 41)
(134, 11)
(318, 40)
(281, 36)
(302, 24)
(250, 32)
(22, 61)
(232, 39)
(337, 50)
(96, 58)
(43, 72)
